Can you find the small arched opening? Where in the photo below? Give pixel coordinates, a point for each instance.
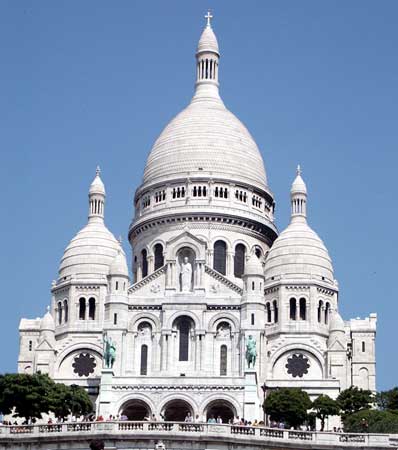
(303, 309)
(184, 326)
(239, 260)
(276, 312)
(220, 409)
(66, 311)
(159, 259)
(59, 311)
(220, 257)
(136, 410)
(91, 308)
(177, 410)
(293, 308)
(144, 263)
(82, 308)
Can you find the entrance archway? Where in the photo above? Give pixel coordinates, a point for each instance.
(220, 408)
(177, 410)
(136, 410)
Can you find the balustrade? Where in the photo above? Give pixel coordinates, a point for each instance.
(258, 434)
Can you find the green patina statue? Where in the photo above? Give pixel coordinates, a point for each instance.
(251, 352)
(109, 352)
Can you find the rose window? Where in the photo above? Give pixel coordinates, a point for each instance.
(84, 364)
(297, 365)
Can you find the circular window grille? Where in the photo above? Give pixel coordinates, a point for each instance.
(84, 364)
(297, 365)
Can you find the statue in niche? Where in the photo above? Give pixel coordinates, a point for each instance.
(186, 258)
(145, 329)
(186, 275)
(224, 330)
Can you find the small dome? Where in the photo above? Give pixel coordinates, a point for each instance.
(299, 253)
(97, 186)
(208, 41)
(254, 266)
(47, 322)
(298, 185)
(119, 265)
(90, 252)
(336, 323)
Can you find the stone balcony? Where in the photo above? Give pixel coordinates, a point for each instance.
(165, 435)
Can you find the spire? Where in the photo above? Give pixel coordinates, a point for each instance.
(96, 196)
(298, 196)
(207, 61)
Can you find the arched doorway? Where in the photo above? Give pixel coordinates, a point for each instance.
(176, 410)
(136, 410)
(220, 408)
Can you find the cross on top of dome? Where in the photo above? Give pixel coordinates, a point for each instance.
(208, 16)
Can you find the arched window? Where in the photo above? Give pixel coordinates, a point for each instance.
(363, 346)
(258, 252)
(82, 308)
(268, 310)
(66, 311)
(223, 360)
(91, 308)
(275, 305)
(327, 311)
(159, 260)
(144, 360)
(293, 309)
(239, 260)
(59, 313)
(320, 311)
(184, 325)
(303, 309)
(144, 263)
(220, 257)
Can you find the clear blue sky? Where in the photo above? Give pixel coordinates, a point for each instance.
(94, 82)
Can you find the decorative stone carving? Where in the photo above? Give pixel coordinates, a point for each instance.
(155, 288)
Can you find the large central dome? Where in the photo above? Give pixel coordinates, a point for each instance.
(206, 139)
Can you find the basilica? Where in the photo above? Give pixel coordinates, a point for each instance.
(220, 307)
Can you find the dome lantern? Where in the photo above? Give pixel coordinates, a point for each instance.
(96, 197)
(298, 195)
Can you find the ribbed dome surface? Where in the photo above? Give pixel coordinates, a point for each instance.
(205, 137)
(208, 41)
(90, 252)
(47, 322)
(254, 266)
(119, 265)
(298, 252)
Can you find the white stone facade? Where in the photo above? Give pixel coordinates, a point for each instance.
(204, 204)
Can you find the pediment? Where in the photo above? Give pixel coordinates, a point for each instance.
(44, 345)
(151, 286)
(218, 285)
(336, 345)
(186, 239)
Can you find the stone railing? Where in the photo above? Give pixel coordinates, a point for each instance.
(174, 430)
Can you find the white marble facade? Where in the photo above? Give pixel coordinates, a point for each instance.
(209, 270)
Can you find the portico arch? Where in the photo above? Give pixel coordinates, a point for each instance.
(220, 408)
(136, 409)
(176, 410)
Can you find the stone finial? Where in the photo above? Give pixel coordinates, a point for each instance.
(298, 170)
(98, 171)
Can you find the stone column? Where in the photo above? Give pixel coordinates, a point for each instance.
(230, 263)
